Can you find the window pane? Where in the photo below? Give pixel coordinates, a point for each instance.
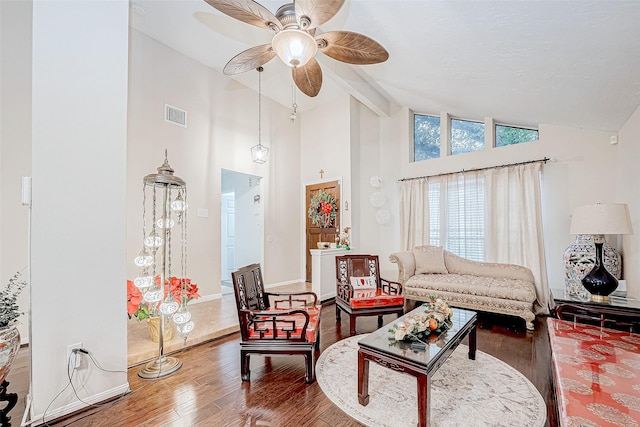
(466, 136)
(509, 135)
(426, 137)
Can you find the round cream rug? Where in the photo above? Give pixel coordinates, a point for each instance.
(484, 392)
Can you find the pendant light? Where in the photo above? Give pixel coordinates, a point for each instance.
(259, 153)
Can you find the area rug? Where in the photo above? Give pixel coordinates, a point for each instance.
(484, 392)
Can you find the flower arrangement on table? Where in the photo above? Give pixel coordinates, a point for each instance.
(182, 290)
(434, 319)
(323, 209)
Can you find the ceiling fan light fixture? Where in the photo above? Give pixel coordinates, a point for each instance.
(294, 47)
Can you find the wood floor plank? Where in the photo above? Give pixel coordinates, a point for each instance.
(208, 391)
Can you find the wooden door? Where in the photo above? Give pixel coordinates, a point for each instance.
(315, 233)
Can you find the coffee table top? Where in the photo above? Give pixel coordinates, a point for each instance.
(382, 340)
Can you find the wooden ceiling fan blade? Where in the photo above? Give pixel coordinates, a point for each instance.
(316, 11)
(352, 48)
(249, 59)
(308, 78)
(247, 11)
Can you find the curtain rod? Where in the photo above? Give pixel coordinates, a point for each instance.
(543, 160)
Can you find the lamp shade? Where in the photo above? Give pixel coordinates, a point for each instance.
(294, 47)
(259, 153)
(601, 219)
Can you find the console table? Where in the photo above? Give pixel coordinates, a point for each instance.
(618, 313)
(323, 272)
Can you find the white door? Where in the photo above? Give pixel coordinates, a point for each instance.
(228, 236)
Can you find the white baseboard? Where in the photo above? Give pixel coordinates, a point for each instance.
(76, 406)
(206, 298)
(288, 282)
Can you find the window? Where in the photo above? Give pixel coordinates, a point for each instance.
(426, 137)
(466, 136)
(509, 135)
(456, 215)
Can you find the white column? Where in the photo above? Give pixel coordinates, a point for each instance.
(79, 123)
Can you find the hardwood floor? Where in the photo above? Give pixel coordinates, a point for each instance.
(207, 390)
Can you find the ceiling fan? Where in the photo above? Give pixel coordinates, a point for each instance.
(295, 40)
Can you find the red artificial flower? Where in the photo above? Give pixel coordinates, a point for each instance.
(326, 207)
(134, 298)
(182, 287)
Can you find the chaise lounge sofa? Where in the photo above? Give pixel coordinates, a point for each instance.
(493, 287)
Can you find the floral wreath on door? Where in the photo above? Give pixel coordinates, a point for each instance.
(323, 209)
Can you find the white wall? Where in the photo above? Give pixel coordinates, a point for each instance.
(325, 144)
(15, 144)
(628, 174)
(222, 127)
(375, 151)
(78, 223)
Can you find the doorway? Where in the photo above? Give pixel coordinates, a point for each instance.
(315, 233)
(242, 223)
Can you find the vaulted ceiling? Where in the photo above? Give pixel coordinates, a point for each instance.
(568, 63)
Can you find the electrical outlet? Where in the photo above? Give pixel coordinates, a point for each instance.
(73, 360)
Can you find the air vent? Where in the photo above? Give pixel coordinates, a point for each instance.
(175, 115)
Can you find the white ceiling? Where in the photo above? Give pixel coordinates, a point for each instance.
(569, 63)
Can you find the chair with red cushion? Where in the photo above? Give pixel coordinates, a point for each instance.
(275, 323)
(362, 292)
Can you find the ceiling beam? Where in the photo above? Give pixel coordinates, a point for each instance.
(360, 86)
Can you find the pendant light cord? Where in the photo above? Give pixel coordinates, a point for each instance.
(260, 69)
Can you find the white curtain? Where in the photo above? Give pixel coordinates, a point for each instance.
(414, 213)
(496, 211)
(514, 222)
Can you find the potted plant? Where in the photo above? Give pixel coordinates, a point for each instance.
(9, 313)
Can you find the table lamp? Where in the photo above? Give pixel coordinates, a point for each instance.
(599, 220)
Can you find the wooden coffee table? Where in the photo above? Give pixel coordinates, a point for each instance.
(379, 348)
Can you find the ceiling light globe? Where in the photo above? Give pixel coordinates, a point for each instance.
(143, 281)
(154, 241)
(168, 223)
(182, 316)
(144, 258)
(169, 306)
(154, 295)
(294, 47)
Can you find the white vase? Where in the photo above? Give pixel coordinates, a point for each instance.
(579, 259)
(9, 346)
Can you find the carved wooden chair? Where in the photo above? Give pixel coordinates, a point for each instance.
(362, 292)
(275, 323)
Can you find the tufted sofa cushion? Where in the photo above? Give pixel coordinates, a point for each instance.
(429, 260)
(497, 287)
